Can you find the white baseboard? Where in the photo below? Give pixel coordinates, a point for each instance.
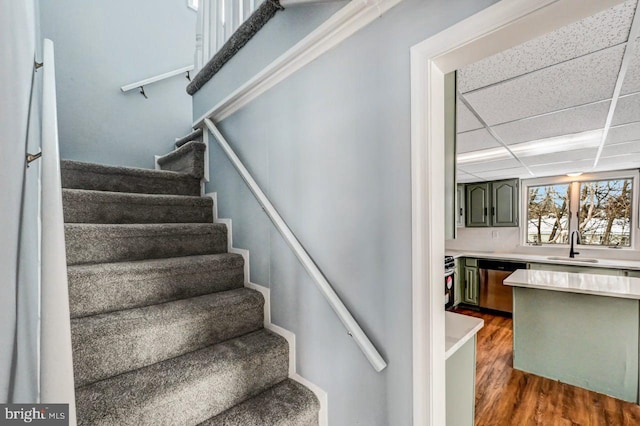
(266, 293)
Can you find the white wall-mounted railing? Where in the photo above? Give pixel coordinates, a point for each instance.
(147, 81)
(353, 329)
(56, 360)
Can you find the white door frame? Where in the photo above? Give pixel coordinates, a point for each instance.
(499, 27)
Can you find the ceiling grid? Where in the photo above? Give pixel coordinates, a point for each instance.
(555, 104)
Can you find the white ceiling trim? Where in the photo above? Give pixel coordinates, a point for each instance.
(493, 133)
(634, 32)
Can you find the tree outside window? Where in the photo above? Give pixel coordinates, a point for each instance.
(605, 212)
(548, 214)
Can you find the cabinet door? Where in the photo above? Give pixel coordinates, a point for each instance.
(457, 283)
(477, 211)
(460, 206)
(471, 282)
(504, 203)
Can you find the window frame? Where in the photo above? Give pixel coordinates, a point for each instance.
(574, 203)
(525, 211)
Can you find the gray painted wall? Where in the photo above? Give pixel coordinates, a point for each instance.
(19, 274)
(330, 146)
(103, 45)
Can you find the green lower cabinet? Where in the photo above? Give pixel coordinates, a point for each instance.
(471, 285)
(460, 394)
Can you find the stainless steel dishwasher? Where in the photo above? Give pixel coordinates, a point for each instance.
(494, 295)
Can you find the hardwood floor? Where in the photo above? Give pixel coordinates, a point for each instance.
(505, 396)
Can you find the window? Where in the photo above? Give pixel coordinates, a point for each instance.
(605, 212)
(598, 207)
(548, 214)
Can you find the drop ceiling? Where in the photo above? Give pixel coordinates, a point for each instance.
(564, 102)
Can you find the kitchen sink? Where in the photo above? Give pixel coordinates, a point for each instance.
(573, 259)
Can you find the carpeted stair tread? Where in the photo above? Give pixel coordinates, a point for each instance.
(88, 206)
(107, 287)
(189, 159)
(286, 404)
(196, 135)
(79, 175)
(188, 389)
(99, 243)
(110, 344)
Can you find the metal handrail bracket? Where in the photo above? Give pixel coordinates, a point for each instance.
(353, 329)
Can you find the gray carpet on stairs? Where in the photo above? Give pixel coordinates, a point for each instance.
(189, 159)
(196, 135)
(114, 343)
(284, 404)
(83, 206)
(189, 389)
(114, 243)
(98, 177)
(107, 287)
(163, 330)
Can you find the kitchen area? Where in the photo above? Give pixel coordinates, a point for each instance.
(542, 265)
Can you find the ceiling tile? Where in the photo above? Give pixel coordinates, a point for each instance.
(564, 157)
(631, 81)
(632, 147)
(587, 79)
(475, 140)
(558, 169)
(599, 31)
(623, 133)
(619, 162)
(465, 120)
(516, 172)
(574, 120)
(627, 110)
(487, 166)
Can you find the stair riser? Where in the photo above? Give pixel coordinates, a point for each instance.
(102, 245)
(86, 179)
(78, 209)
(287, 403)
(102, 291)
(107, 345)
(212, 380)
(187, 159)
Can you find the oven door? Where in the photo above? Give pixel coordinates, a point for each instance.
(449, 289)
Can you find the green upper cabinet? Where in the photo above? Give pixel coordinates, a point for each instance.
(504, 203)
(491, 204)
(460, 206)
(478, 198)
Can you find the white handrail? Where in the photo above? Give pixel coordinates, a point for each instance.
(325, 288)
(155, 79)
(56, 361)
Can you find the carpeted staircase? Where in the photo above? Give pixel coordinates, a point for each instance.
(163, 330)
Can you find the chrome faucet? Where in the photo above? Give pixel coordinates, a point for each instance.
(572, 252)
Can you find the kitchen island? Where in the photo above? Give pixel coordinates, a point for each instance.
(580, 329)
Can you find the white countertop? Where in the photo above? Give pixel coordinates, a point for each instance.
(458, 330)
(533, 258)
(599, 285)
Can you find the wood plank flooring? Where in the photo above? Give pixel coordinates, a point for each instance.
(506, 397)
